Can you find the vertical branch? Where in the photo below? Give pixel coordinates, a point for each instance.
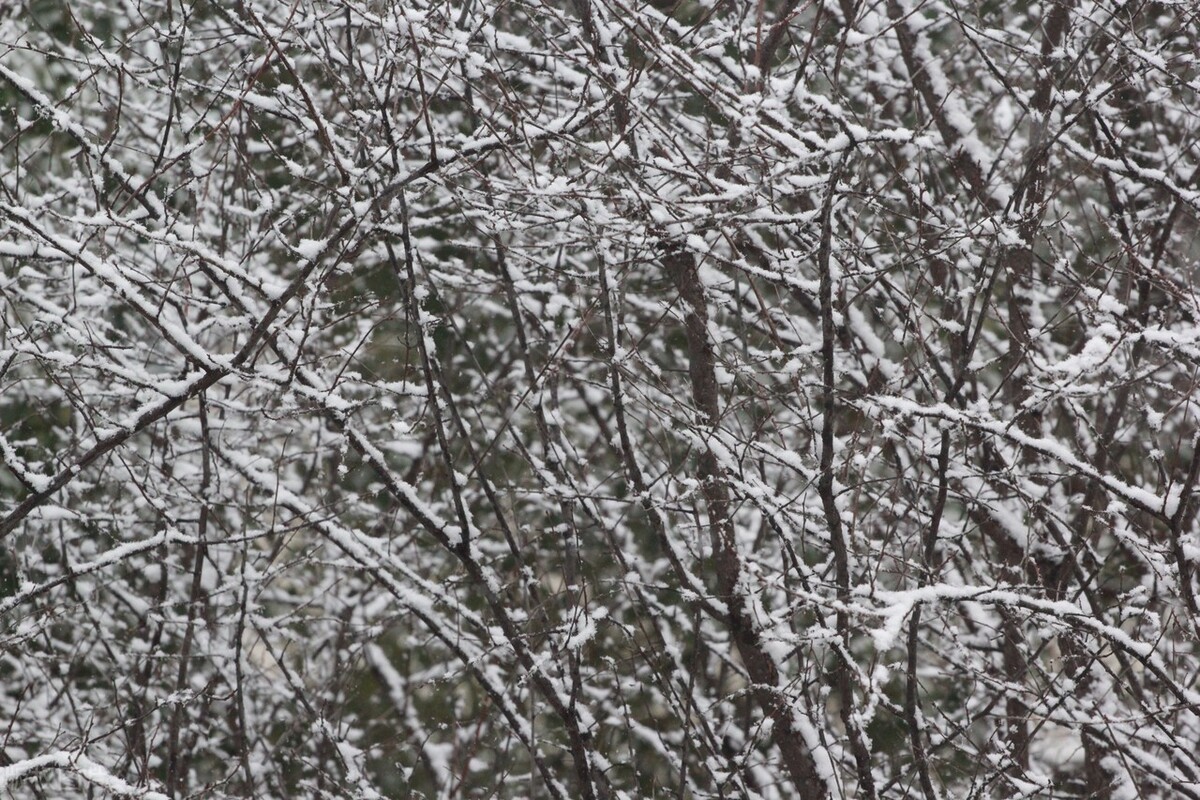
(1028, 199)
(912, 701)
(791, 732)
(421, 321)
(177, 765)
(592, 783)
(551, 445)
(842, 676)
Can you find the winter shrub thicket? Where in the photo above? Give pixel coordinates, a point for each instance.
(594, 399)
